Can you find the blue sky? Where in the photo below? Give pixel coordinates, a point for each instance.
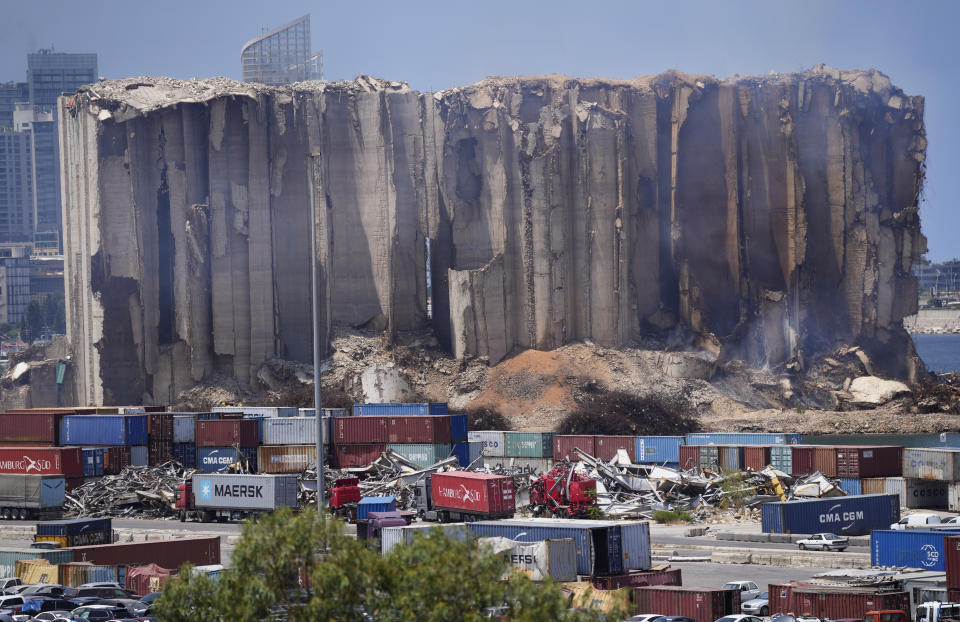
(434, 45)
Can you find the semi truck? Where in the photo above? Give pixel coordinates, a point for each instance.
(462, 496)
(25, 497)
(222, 496)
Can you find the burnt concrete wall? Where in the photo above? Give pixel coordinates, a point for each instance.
(762, 218)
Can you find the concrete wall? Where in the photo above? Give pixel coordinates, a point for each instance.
(762, 218)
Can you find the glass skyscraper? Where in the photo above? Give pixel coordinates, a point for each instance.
(282, 56)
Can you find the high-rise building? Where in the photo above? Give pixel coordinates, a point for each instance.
(16, 186)
(282, 56)
(41, 127)
(14, 282)
(49, 74)
(11, 93)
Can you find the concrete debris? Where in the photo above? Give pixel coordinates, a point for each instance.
(137, 492)
(870, 391)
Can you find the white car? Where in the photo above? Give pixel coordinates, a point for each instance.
(644, 617)
(824, 542)
(748, 590)
(739, 618)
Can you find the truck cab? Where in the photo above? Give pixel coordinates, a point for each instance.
(369, 529)
(344, 496)
(933, 611)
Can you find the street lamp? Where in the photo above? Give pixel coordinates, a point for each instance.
(315, 289)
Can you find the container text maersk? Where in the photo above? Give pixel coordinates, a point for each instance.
(238, 490)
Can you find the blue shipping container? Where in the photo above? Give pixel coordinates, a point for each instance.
(849, 516)
(466, 453)
(658, 449)
(103, 430)
(73, 526)
(754, 438)
(912, 548)
(375, 504)
(603, 547)
(52, 492)
(851, 485)
(185, 454)
(92, 460)
(397, 409)
(215, 459)
(458, 428)
(207, 416)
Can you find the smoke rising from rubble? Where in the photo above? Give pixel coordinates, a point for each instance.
(767, 219)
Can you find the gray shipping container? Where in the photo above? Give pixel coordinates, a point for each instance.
(31, 491)
(541, 560)
(139, 456)
(939, 464)
(533, 466)
(493, 441)
(290, 431)
(185, 429)
(10, 556)
(245, 492)
(260, 411)
(390, 537)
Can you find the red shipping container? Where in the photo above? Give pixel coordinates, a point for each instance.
(703, 604)
(802, 460)
(115, 458)
(30, 428)
(836, 604)
(143, 580)
(563, 445)
(878, 461)
(228, 432)
(160, 426)
(478, 493)
(358, 454)
(689, 456)
(670, 576)
(165, 553)
(953, 595)
(756, 457)
(432, 430)
(360, 430)
(825, 460)
(159, 452)
(951, 546)
(606, 447)
(61, 411)
(66, 461)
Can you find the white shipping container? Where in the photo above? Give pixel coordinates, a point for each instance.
(260, 411)
(290, 431)
(390, 537)
(540, 560)
(896, 486)
(184, 429)
(493, 441)
(938, 464)
(327, 412)
(139, 456)
(533, 466)
(953, 496)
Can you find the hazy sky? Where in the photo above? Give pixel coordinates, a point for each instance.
(434, 45)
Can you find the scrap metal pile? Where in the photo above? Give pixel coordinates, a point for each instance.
(136, 492)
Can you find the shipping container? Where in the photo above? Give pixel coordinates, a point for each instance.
(731, 458)
(74, 574)
(467, 453)
(703, 604)
(326, 412)
(708, 457)
(927, 494)
(689, 457)
(873, 461)
(185, 454)
(167, 553)
(756, 457)
(73, 526)
(160, 426)
(143, 580)
(358, 455)
(245, 492)
(269, 412)
(909, 548)
(458, 428)
(83, 539)
(951, 547)
(184, 429)
(421, 454)
(851, 486)
(213, 459)
(391, 537)
(92, 458)
(103, 430)
(953, 497)
(494, 442)
(874, 486)
(540, 560)
(850, 516)
(668, 576)
(30, 428)
(426, 429)
(530, 466)
(286, 458)
(564, 444)
(375, 504)
(802, 460)
(833, 603)
(939, 464)
(781, 458)
(64, 461)
(359, 430)
(10, 556)
(657, 449)
(290, 431)
(742, 438)
(159, 452)
(207, 416)
(476, 493)
(228, 432)
(825, 460)
(603, 547)
(606, 447)
(528, 444)
(396, 409)
(139, 456)
(115, 459)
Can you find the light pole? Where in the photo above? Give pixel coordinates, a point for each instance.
(315, 288)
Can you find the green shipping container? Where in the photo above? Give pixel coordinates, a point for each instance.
(528, 444)
(421, 454)
(10, 556)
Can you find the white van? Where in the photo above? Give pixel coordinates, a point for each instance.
(914, 521)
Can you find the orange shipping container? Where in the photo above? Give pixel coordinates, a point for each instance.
(756, 457)
(825, 461)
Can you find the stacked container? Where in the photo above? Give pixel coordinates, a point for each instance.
(530, 452)
(661, 450)
(160, 437)
(185, 439)
(289, 444)
(218, 441)
(422, 433)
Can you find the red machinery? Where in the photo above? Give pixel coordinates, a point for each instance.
(563, 492)
(344, 497)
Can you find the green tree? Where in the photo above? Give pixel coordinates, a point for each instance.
(301, 567)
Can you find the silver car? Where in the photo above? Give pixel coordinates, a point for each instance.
(759, 606)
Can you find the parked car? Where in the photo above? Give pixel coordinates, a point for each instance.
(759, 606)
(824, 542)
(953, 520)
(14, 601)
(44, 589)
(748, 589)
(52, 616)
(739, 618)
(920, 519)
(677, 619)
(97, 592)
(16, 589)
(646, 617)
(98, 613)
(8, 582)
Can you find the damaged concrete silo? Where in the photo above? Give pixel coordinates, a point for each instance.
(768, 218)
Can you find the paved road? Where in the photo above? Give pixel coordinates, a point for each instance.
(672, 540)
(708, 574)
(232, 529)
